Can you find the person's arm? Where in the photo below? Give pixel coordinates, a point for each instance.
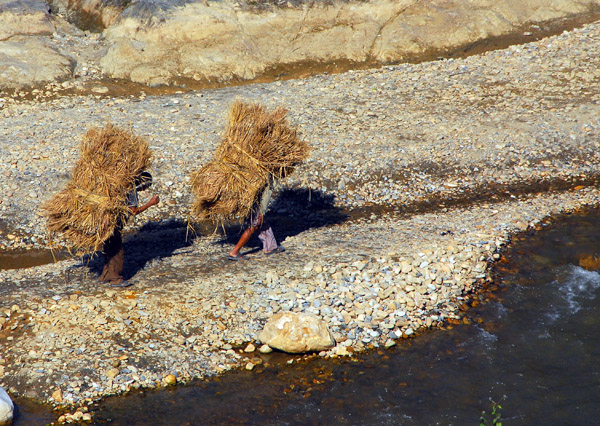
(152, 202)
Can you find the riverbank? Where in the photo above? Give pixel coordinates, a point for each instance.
(418, 177)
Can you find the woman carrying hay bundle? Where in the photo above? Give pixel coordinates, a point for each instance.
(256, 222)
(257, 149)
(114, 256)
(91, 211)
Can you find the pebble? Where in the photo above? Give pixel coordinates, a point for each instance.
(265, 349)
(170, 380)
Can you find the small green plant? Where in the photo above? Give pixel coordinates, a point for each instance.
(496, 414)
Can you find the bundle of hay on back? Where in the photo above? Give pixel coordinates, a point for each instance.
(256, 148)
(87, 211)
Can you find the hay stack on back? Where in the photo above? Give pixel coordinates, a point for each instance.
(257, 146)
(87, 211)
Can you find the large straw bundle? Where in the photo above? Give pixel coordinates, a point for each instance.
(257, 146)
(87, 211)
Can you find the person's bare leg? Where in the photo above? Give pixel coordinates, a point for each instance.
(235, 252)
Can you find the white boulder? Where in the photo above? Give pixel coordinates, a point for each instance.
(297, 333)
(6, 408)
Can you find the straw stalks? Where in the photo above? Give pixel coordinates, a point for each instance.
(257, 148)
(93, 203)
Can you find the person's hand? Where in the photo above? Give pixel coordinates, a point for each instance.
(154, 200)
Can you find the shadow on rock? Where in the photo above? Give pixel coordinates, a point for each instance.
(153, 241)
(293, 211)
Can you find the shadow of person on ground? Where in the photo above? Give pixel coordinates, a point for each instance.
(291, 212)
(153, 241)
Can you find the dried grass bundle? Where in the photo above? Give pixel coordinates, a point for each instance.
(257, 147)
(87, 211)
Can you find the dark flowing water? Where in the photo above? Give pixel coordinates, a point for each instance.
(532, 346)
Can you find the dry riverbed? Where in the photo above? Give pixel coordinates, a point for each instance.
(419, 176)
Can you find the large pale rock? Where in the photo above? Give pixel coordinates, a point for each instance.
(6, 408)
(27, 61)
(24, 17)
(157, 43)
(296, 333)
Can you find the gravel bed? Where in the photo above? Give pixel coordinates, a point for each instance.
(419, 176)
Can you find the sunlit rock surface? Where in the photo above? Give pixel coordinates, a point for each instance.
(178, 42)
(155, 42)
(27, 61)
(24, 17)
(26, 57)
(297, 333)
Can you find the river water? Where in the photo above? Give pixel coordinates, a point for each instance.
(530, 346)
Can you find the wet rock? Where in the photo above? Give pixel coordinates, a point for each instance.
(389, 343)
(296, 333)
(265, 349)
(589, 262)
(342, 351)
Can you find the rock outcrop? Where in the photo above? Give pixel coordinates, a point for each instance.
(26, 57)
(94, 15)
(226, 40)
(24, 17)
(176, 42)
(26, 61)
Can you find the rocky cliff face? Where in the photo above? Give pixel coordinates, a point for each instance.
(229, 41)
(162, 42)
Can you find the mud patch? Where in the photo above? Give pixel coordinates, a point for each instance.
(19, 259)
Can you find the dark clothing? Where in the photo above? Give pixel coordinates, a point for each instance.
(114, 258)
